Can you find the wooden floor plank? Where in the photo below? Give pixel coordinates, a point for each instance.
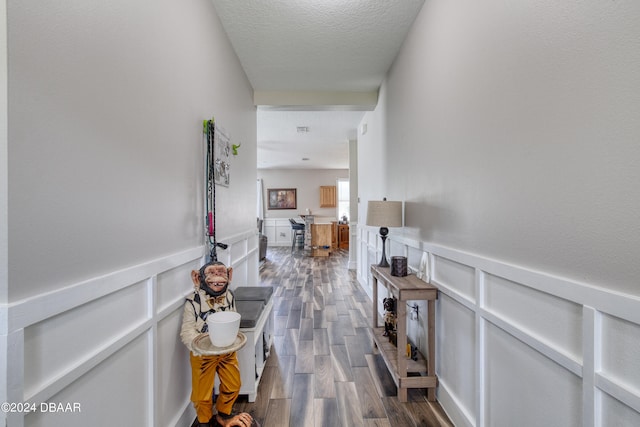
(278, 413)
(323, 376)
(282, 387)
(305, 358)
(326, 412)
(258, 409)
(348, 405)
(398, 413)
(331, 315)
(357, 319)
(283, 307)
(302, 405)
(321, 342)
(280, 324)
(293, 322)
(290, 343)
(355, 351)
(377, 422)
(318, 298)
(340, 362)
(422, 413)
(306, 329)
(336, 337)
(319, 319)
(381, 377)
(370, 404)
(344, 320)
(307, 311)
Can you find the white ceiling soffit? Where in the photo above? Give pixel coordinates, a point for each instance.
(324, 144)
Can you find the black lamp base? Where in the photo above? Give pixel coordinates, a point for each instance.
(383, 235)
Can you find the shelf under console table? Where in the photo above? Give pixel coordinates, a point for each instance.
(399, 365)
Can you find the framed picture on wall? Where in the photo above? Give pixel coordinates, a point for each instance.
(222, 151)
(281, 198)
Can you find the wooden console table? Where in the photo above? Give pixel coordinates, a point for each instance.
(395, 357)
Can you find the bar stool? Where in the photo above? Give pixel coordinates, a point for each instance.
(297, 233)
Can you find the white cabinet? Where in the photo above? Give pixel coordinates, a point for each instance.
(253, 356)
(255, 305)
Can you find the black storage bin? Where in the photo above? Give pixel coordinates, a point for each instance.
(250, 312)
(253, 293)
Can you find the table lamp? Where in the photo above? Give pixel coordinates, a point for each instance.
(384, 214)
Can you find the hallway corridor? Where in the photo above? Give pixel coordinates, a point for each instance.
(323, 370)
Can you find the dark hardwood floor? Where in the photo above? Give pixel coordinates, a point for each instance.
(323, 369)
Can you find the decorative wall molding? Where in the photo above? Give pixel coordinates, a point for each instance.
(19, 315)
(155, 328)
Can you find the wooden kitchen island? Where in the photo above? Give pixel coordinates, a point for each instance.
(321, 238)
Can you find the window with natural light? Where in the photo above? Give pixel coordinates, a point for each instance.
(343, 199)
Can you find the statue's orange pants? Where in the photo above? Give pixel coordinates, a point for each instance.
(203, 373)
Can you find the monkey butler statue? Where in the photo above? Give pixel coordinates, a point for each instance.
(211, 294)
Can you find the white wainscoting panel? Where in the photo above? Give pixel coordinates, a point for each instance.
(524, 387)
(173, 386)
(456, 351)
(237, 251)
(616, 413)
(414, 256)
(456, 276)
(278, 231)
(521, 347)
(172, 283)
(111, 344)
(554, 320)
(620, 357)
(114, 392)
(59, 344)
(619, 360)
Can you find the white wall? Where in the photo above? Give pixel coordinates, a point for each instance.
(105, 201)
(510, 133)
(307, 182)
(520, 126)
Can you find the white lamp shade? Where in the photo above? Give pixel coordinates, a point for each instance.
(384, 213)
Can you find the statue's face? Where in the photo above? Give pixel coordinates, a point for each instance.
(212, 278)
(216, 277)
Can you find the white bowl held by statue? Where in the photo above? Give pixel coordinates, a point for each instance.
(223, 327)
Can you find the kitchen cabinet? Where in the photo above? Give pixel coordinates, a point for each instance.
(334, 235)
(343, 236)
(328, 196)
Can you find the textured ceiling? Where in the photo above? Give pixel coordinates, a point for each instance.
(317, 52)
